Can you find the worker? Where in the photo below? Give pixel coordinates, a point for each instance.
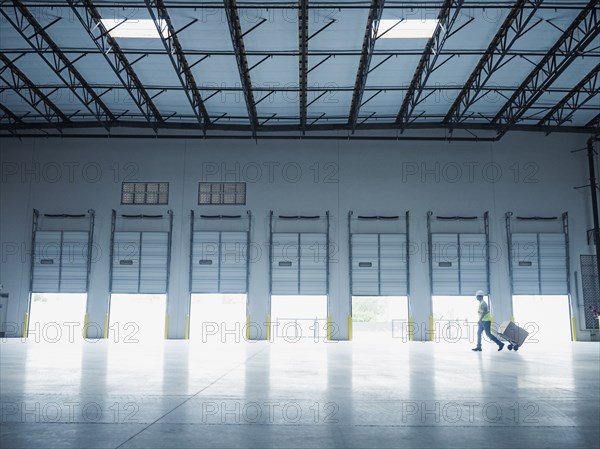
(485, 322)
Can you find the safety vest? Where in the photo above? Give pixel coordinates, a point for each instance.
(487, 316)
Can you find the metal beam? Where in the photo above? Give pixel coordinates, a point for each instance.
(588, 53)
(56, 60)
(365, 59)
(326, 5)
(496, 56)
(584, 29)
(91, 20)
(34, 96)
(10, 115)
(188, 135)
(303, 59)
(235, 29)
(369, 126)
(158, 11)
(594, 123)
(324, 88)
(428, 60)
(582, 93)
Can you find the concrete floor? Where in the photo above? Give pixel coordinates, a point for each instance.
(179, 394)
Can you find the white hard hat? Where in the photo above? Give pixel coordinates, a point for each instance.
(479, 293)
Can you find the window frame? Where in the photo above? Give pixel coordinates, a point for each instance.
(222, 192)
(145, 183)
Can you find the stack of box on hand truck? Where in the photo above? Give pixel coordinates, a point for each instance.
(512, 333)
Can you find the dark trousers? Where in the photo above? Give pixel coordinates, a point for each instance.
(486, 326)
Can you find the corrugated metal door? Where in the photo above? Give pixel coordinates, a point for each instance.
(233, 264)
(445, 264)
(73, 277)
(285, 273)
(539, 263)
(553, 264)
(46, 264)
(392, 265)
(60, 262)
(205, 262)
(126, 262)
(525, 264)
(154, 262)
(313, 264)
(365, 264)
(473, 263)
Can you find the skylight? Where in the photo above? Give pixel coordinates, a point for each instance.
(133, 28)
(406, 29)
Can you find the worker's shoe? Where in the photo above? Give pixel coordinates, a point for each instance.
(476, 349)
(500, 346)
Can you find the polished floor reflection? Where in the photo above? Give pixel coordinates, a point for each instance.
(186, 394)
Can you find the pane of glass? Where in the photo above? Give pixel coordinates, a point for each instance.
(139, 198)
(151, 198)
(229, 187)
(204, 187)
(229, 198)
(204, 198)
(140, 187)
(240, 199)
(216, 187)
(127, 198)
(128, 187)
(152, 187)
(163, 198)
(240, 187)
(163, 187)
(215, 199)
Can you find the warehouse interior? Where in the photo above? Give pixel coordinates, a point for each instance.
(285, 224)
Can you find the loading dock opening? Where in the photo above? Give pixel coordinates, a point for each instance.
(137, 318)
(218, 318)
(455, 319)
(139, 277)
(379, 275)
(57, 317)
(299, 317)
(545, 317)
(299, 280)
(380, 317)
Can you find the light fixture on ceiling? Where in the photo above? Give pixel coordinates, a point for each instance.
(406, 29)
(133, 28)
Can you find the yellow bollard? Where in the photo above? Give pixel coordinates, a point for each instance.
(431, 328)
(411, 330)
(26, 325)
(86, 322)
(349, 327)
(187, 327)
(167, 326)
(106, 325)
(268, 327)
(328, 328)
(573, 329)
(247, 327)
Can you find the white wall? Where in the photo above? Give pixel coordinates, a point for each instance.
(537, 177)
